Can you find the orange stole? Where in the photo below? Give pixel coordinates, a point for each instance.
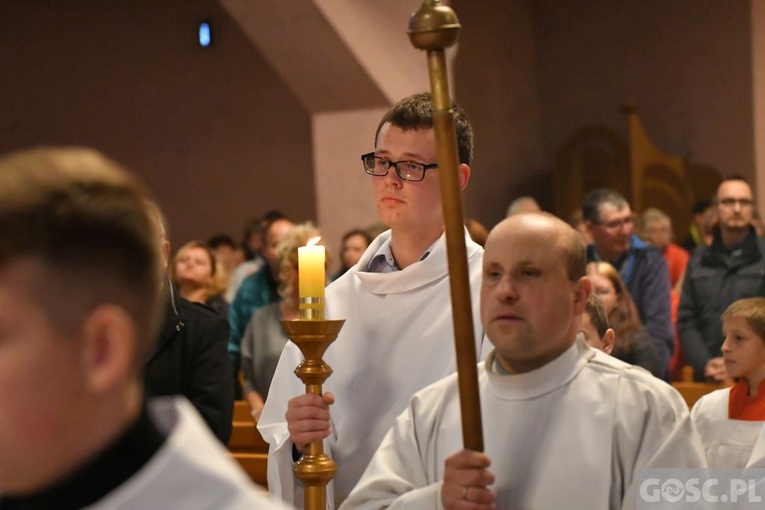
(743, 407)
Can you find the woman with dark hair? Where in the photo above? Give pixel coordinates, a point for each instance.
(634, 344)
(354, 243)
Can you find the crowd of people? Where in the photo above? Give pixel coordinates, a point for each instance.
(581, 326)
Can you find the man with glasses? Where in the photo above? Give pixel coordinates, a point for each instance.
(398, 336)
(608, 217)
(731, 268)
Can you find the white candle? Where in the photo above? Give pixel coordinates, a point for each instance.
(311, 273)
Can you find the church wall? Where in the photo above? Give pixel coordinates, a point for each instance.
(685, 64)
(214, 132)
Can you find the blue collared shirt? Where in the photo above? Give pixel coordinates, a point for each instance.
(383, 262)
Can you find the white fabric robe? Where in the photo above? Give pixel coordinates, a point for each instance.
(571, 434)
(191, 470)
(398, 338)
(728, 443)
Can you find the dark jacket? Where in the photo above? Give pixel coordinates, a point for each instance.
(646, 276)
(190, 359)
(642, 353)
(714, 279)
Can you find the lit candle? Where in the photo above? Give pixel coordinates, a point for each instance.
(311, 273)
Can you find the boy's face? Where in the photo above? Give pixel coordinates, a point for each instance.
(743, 351)
(40, 381)
(402, 204)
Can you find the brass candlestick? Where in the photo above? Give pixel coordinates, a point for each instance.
(312, 334)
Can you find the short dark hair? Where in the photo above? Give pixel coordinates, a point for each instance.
(416, 112)
(219, 240)
(701, 205)
(87, 221)
(593, 200)
(733, 177)
(597, 313)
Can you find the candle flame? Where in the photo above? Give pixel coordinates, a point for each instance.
(313, 241)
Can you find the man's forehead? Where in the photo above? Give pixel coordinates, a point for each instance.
(519, 248)
(729, 188)
(613, 209)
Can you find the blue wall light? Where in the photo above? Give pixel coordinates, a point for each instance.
(205, 34)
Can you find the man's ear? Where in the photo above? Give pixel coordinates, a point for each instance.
(463, 172)
(608, 341)
(581, 293)
(109, 348)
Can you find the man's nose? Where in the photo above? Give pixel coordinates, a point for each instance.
(506, 290)
(392, 177)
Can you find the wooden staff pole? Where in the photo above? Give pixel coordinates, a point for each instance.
(433, 28)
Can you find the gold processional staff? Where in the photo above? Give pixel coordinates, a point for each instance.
(433, 28)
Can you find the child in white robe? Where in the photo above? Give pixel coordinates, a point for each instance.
(730, 420)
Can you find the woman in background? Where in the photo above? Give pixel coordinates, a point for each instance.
(633, 342)
(195, 272)
(264, 337)
(354, 243)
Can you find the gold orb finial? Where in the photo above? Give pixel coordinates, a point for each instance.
(434, 26)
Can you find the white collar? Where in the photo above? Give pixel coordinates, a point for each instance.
(545, 379)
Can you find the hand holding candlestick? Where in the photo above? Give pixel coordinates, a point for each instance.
(312, 334)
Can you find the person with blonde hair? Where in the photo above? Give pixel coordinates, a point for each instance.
(657, 229)
(730, 420)
(264, 337)
(633, 342)
(196, 272)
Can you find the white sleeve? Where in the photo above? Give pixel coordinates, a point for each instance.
(655, 432)
(396, 476)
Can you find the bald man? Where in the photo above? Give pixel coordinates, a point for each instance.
(565, 425)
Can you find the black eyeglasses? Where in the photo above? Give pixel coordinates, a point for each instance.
(407, 170)
(730, 202)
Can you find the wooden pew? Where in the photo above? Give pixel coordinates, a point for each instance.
(692, 391)
(246, 438)
(255, 465)
(246, 444)
(242, 411)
